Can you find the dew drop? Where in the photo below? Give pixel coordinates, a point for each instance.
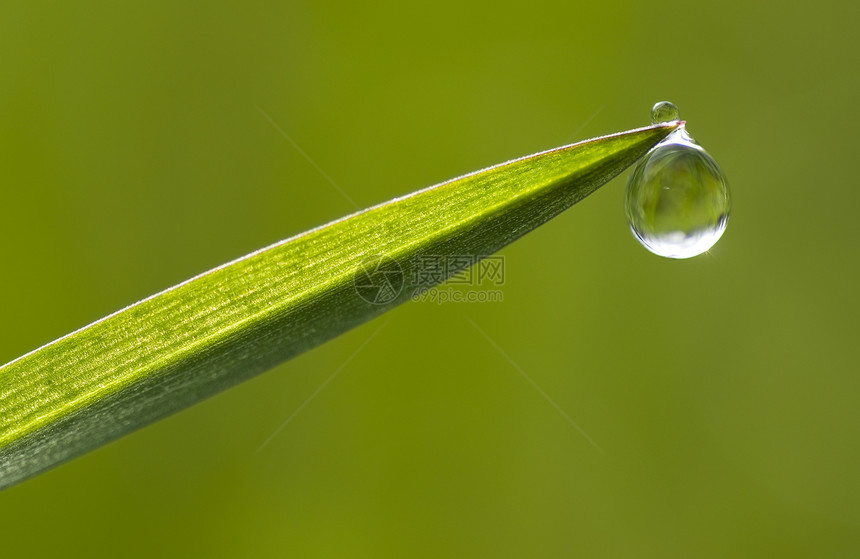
(677, 201)
(664, 111)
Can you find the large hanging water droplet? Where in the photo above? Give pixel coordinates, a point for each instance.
(677, 201)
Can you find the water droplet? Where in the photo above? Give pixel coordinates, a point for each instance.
(664, 111)
(677, 201)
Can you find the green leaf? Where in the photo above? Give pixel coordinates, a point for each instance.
(182, 345)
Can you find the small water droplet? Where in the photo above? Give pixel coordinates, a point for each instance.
(664, 111)
(677, 201)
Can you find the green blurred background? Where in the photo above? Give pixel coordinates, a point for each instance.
(723, 390)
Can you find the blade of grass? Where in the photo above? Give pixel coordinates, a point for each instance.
(182, 345)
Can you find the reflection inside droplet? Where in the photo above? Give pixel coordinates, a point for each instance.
(677, 201)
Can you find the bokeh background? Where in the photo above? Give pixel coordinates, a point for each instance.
(723, 391)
